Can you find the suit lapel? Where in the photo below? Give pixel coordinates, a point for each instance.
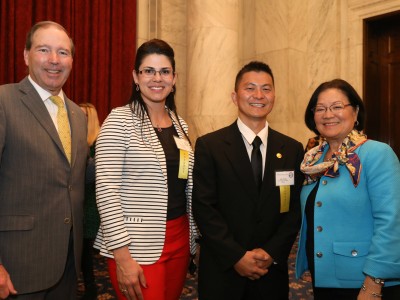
(273, 162)
(236, 153)
(34, 103)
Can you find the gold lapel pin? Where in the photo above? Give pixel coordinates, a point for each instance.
(278, 155)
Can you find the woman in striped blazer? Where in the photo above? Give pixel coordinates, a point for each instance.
(144, 164)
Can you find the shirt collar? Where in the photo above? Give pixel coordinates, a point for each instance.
(249, 135)
(44, 95)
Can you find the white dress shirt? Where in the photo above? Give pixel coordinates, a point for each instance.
(248, 137)
(44, 95)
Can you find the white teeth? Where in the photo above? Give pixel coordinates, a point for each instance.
(53, 71)
(257, 104)
(156, 88)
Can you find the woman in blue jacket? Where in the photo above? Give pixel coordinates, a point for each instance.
(350, 235)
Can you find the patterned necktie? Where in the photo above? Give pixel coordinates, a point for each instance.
(63, 126)
(256, 161)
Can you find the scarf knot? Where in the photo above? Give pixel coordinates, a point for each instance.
(313, 169)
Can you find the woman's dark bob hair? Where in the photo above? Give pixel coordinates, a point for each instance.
(348, 91)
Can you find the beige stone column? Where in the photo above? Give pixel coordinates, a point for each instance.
(212, 63)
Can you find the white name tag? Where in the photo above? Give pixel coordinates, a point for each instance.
(284, 178)
(182, 144)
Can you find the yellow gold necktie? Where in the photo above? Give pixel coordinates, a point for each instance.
(63, 126)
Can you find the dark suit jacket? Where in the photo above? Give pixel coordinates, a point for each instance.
(41, 195)
(232, 217)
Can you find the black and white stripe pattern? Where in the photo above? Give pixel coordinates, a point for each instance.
(131, 186)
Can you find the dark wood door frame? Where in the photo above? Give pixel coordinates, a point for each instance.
(382, 79)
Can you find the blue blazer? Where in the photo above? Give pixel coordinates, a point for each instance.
(360, 225)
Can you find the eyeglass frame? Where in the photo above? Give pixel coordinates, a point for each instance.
(330, 108)
(154, 72)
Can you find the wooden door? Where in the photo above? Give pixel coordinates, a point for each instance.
(382, 79)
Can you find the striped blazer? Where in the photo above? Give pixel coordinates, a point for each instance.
(131, 186)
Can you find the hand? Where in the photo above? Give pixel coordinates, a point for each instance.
(130, 275)
(6, 286)
(248, 267)
(267, 260)
(364, 295)
(370, 288)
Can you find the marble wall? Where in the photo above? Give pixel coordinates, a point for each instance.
(304, 42)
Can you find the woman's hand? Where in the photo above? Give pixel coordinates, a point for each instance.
(370, 290)
(130, 275)
(365, 295)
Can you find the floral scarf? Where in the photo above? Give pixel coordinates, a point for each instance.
(344, 156)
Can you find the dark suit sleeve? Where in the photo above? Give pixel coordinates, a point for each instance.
(280, 243)
(213, 228)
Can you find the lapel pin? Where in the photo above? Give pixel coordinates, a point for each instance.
(278, 155)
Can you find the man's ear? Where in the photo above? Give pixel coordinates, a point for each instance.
(234, 98)
(26, 57)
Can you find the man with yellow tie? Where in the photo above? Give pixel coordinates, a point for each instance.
(43, 152)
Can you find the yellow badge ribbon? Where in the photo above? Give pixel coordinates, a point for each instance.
(285, 198)
(183, 164)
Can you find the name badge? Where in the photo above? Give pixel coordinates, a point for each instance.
(184, 149)
(182, 144)
(284, 178)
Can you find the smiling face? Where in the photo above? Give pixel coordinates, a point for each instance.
(254, 98)
(155, 88)
(50, 59)
(335, 126)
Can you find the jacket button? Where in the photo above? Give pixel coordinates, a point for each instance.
(70, 187)
(319, 203)
(319, 254)
(354, 253)
(67, 220)
(319, 228)
(324, 182)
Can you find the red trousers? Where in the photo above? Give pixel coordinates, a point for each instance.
(166, 277)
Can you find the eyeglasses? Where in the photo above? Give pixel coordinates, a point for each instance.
(150, 72)
(335, 108)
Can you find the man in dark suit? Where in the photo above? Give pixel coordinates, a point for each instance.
(247, 228)
(41, 177)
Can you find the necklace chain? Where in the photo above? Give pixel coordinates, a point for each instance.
(158, 127)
